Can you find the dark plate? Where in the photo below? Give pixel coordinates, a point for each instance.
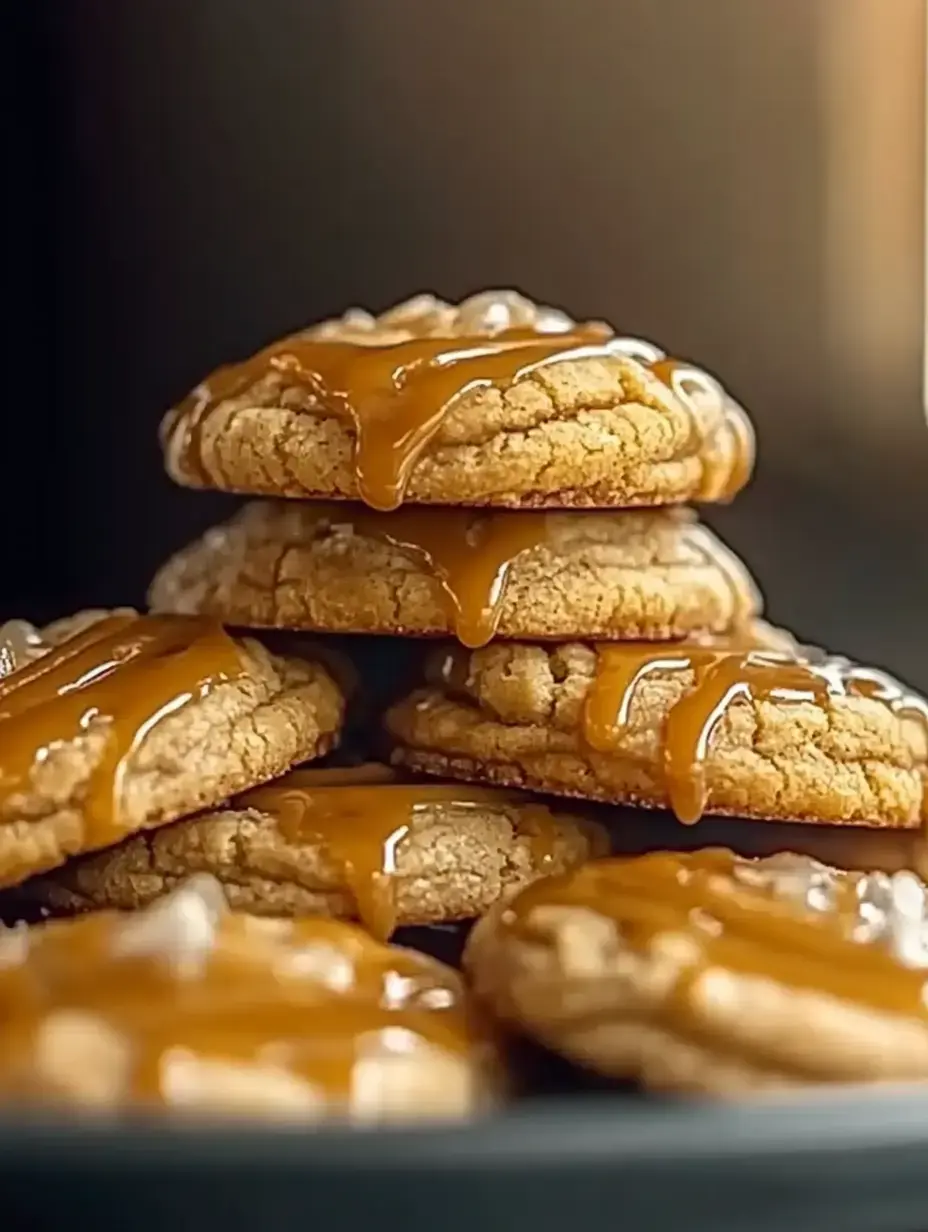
(608, 1161)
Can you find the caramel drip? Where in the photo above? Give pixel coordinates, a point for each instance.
(313, 998)
(470, 554)
(397, 396)
(125, 674)
(362, 825)
(719, 676)
(734, 927)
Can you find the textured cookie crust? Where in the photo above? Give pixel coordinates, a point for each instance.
(243, 732)
(517, 722)
(645, 574)
(571, 980)
(586, 433)
(453, 865)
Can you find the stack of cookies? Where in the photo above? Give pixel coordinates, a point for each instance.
(491, 471)
(508, 492)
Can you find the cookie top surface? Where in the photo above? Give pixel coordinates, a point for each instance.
(715, 726)
(769, 972)
(786, 916)
(187, 1007)
(113, 721)
(438, 571)
(495, 401)
(354, 842)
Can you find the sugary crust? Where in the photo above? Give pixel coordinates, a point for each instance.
(453, 865)
(646, 574)
(851, 760)
(243, 732)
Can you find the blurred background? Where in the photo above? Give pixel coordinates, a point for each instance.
(740, 180)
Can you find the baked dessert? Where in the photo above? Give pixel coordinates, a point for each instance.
(700, 727)
(494, 401)
(705, 972)
(186, 1009)
(423, 572)
(114, 722)
(348, 842)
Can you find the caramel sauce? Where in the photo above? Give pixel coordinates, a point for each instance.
(313, 998)
(720, 676)
(472, 554)
(396, 396)
(124, 673)
(362, 816)
(733, 925)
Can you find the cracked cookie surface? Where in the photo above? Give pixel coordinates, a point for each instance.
(116, 722)
(709, 973)
(347, 843)
(601, 422)
(659, 726)
(340, 568)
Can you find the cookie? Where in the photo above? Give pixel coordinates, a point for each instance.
(353, 843)
(708, 973)
(187, 1009)
(111, 723)
(698, 727)
(426, 572)
(496, 401)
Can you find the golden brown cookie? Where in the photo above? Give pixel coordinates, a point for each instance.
(187, 1009)
(698, 727)
(353, 843)
(424, 572)
(496, 401)
(114, 722)
(705, 972)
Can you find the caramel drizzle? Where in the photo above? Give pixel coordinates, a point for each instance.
(362, 817)
(312, 997)
(735, 928)
(397, 396)
(720, 677)
(472, 555)
(125, 672)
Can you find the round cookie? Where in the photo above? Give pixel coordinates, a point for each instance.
(700, 727)
(426, 572)
(496, 401)
(706, 972)
(114, 722)
(351, 843)
(186, 1009)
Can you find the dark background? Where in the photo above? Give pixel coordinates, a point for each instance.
(740, 180)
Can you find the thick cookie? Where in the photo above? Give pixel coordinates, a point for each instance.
(697, 727)
(354, 843)
(189, 1009)
(111, 723)
(425, 572)
(495, 401)
(706, 972)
